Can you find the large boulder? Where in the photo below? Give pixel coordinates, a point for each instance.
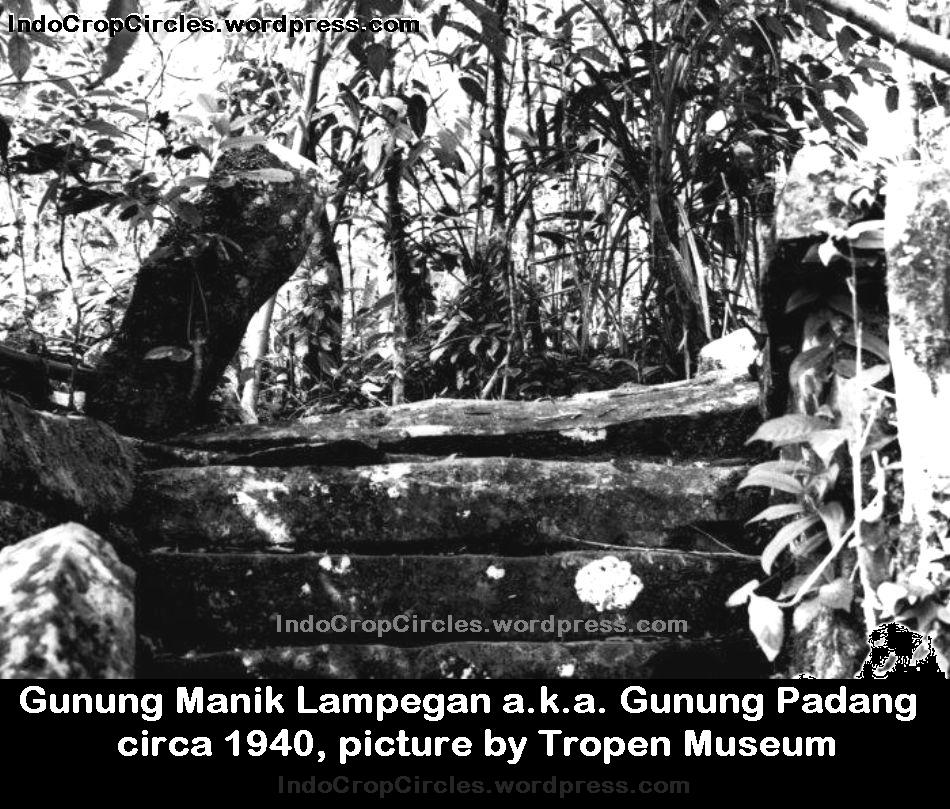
(732, 356)
(75, 468)
(67, 608)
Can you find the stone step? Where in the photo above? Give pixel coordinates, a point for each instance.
(635, 658)
(506, 503)
(215, 602)
(708, 417)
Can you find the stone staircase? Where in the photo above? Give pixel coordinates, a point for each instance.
(597, 509)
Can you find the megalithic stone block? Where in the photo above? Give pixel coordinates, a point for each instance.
(508, 502)
(67, 608)
(628, 658)
(76, 467)
(208, 602)
(708, 417)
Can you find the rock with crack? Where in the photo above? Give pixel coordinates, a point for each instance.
(707, 417)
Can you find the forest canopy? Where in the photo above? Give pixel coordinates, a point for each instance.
(517, 200)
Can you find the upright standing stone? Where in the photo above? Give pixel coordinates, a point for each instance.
(918, 244)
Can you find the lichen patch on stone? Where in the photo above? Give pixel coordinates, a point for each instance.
(586, 435)
(607, 584)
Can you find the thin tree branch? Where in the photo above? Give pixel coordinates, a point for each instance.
(913, 39)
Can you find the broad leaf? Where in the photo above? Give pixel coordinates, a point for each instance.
(792, 429)
(119, 45)
(826, 443)
(473, 88)
(817, 359)
(741, 596)
(19, 55)
(418, 114)
(805, 613)
(377, 58)
(767, 623)
(442, 344)
(103, 128)
(773, 480)
(833, 516)
(846, 38)
(173, 353)
(871, 343)
(784, 537)
(892, 98)
(784, 466)
(799, 298)
(867, 235)
(889, 594)
(852, 118)
(837, 595)
(778, 512)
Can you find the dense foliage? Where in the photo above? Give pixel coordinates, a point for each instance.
(523, 201)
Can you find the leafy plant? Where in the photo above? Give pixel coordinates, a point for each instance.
(822, 547)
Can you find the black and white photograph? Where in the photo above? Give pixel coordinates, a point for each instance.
(599, 344)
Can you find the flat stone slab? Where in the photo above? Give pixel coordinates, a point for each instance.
(706, 417)
(646, 658)
(504, 502)
(67, 609)
(215, 602)
(79, 467)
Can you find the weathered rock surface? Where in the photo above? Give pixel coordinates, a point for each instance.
(611, 659)
(830, 648)
(212, 602)
(730, 357)
(66, 608)
(919, 300)
(508, 502)
(77, 467)
(18, 522)
(705, 417)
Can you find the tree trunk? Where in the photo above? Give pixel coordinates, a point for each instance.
(409, 284)
(913, 39)
(918, 239)
(499, 109)
(325, 335)
(405, 313)
(533, 314)
(408, 302)
(324, 297)
(197, 291)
